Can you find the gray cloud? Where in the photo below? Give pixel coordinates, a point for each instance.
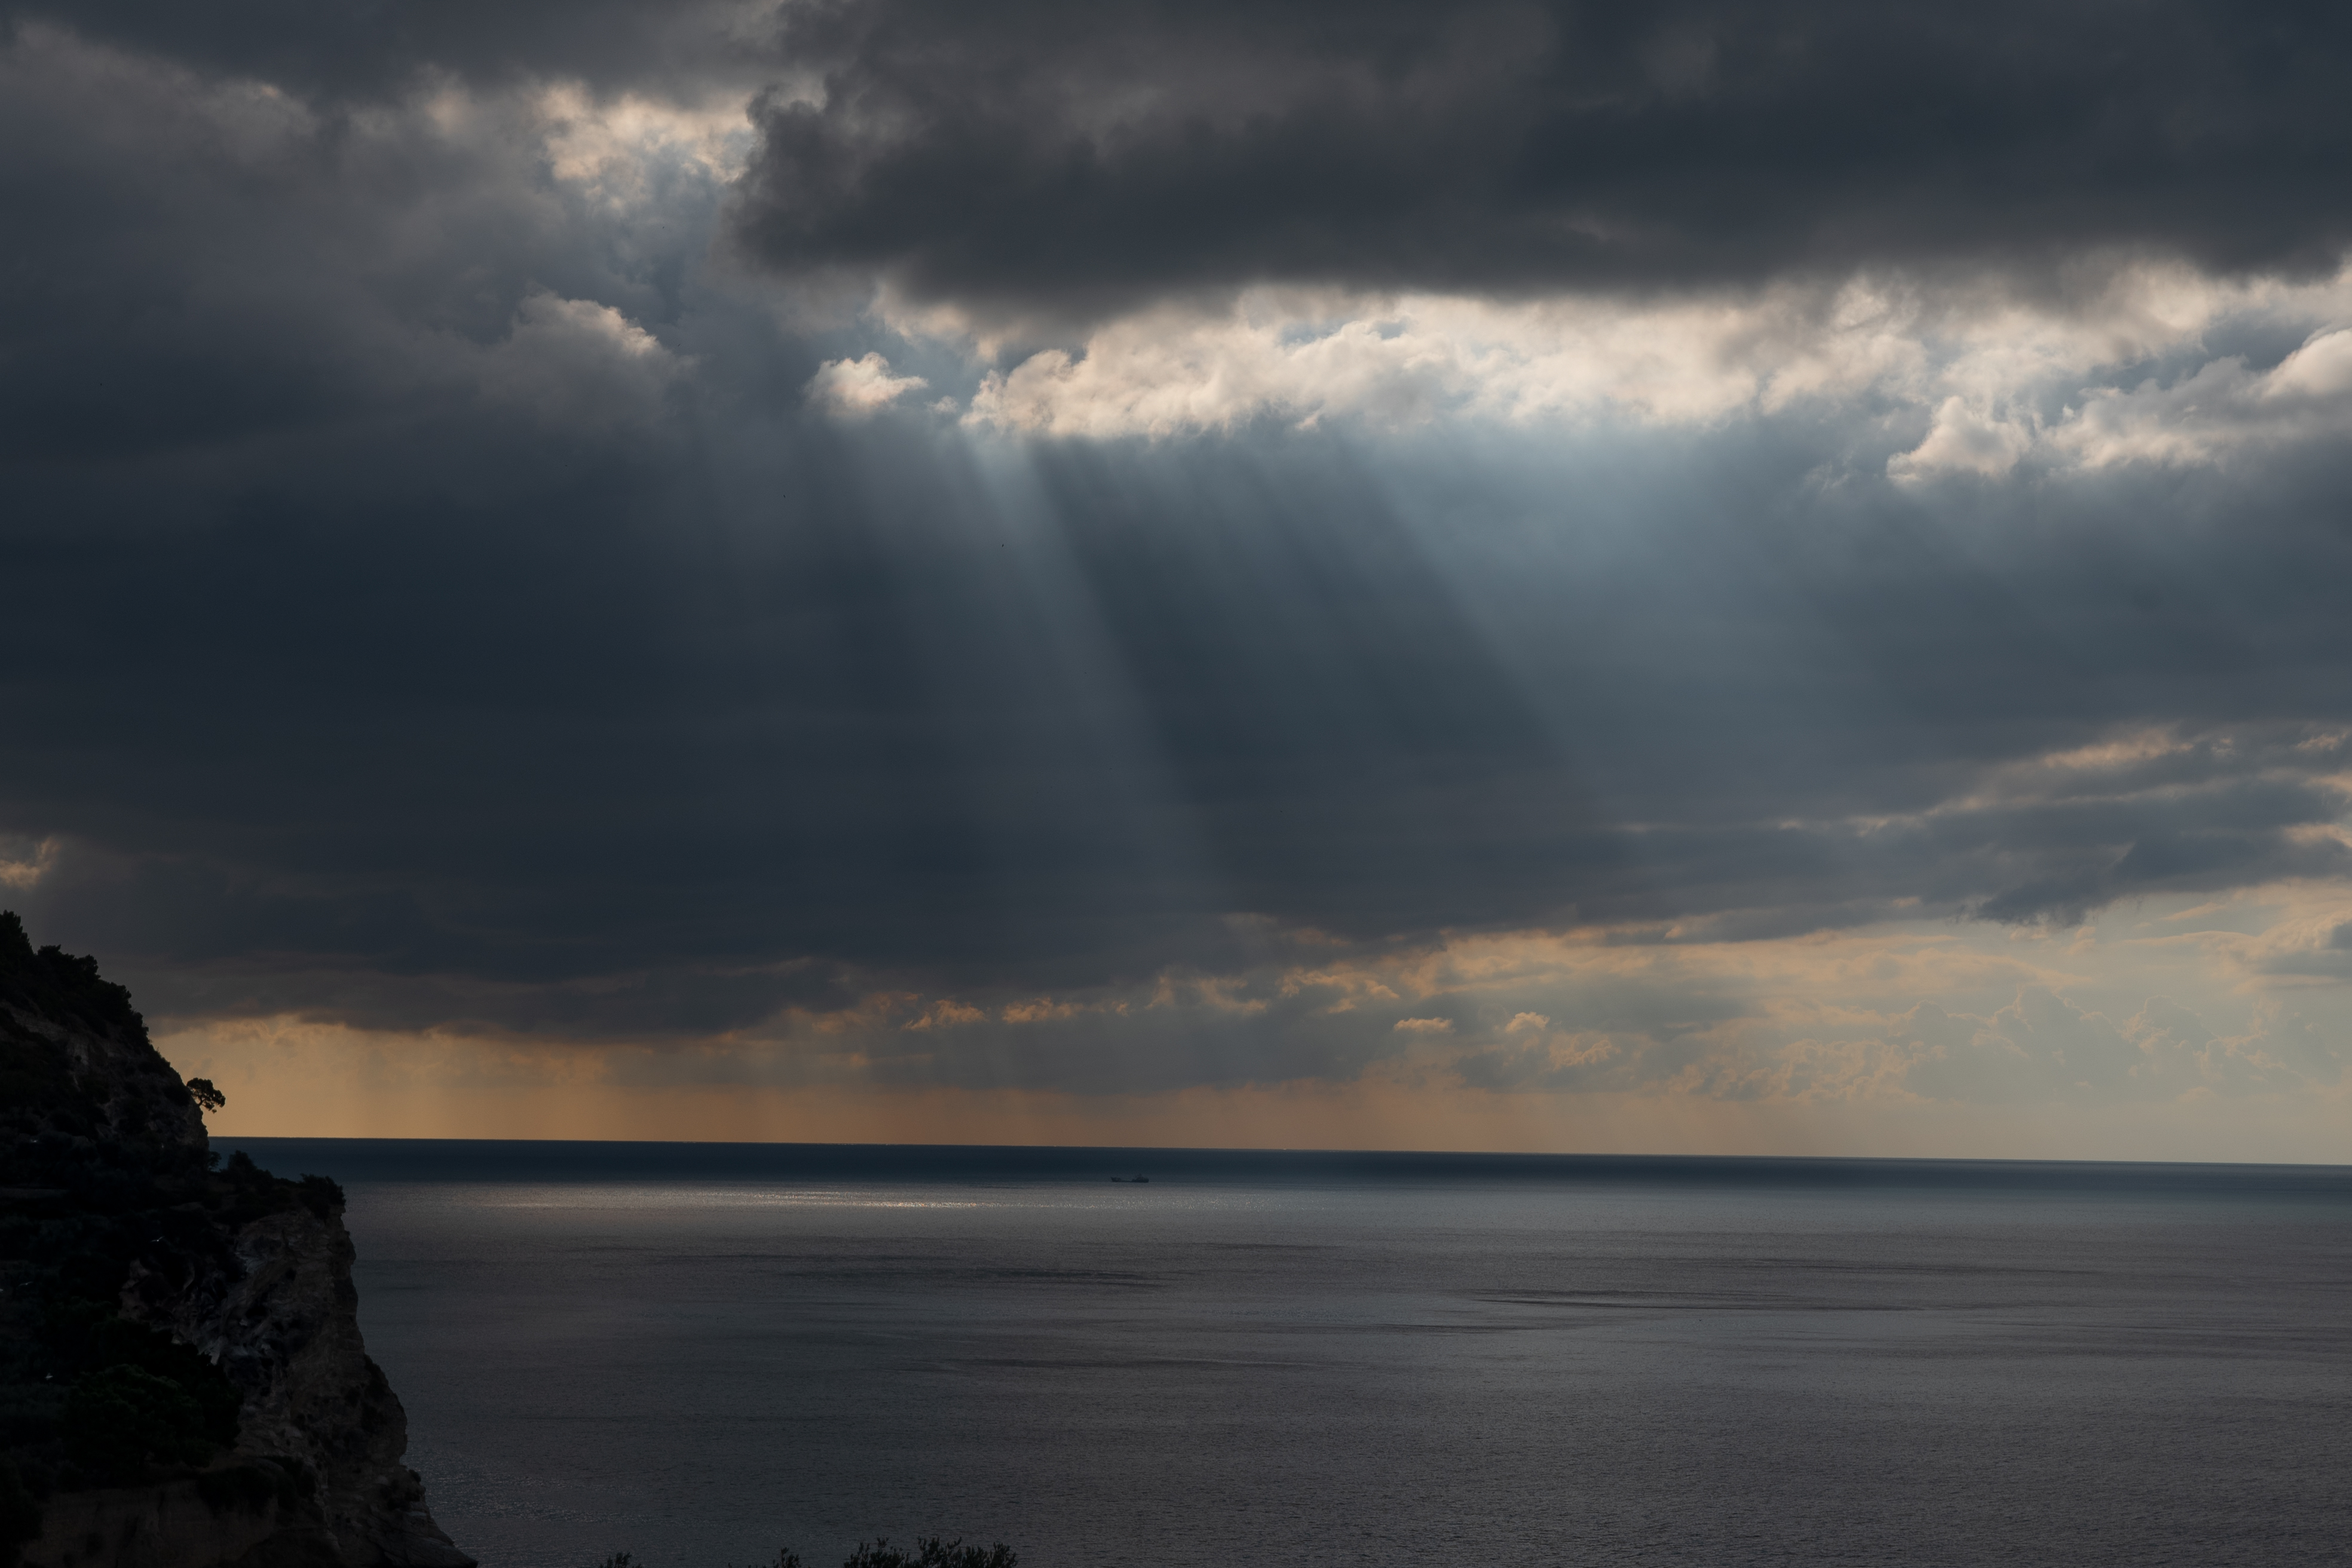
(356, 50)
(1059, 157)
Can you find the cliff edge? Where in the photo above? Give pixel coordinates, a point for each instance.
(183, 1383)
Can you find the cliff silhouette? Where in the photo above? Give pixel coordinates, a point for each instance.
(183, 1383)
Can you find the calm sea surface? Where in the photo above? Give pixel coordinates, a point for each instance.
(699, 1354)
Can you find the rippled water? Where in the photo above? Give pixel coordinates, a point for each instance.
(700, 1357)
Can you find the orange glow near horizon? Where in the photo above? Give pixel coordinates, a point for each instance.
(288, 1080)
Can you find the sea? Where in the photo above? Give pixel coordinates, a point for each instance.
(702, 1355)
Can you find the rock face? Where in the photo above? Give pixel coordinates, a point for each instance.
(284, 1326)
(140, 1289)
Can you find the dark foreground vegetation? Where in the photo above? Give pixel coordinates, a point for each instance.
(930, 1552)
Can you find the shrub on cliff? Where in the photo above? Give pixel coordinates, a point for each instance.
(20, 1512)
(111, 1135)
(121, 1420)
(61, 986)
(322, 1195)
(89, 1340)
(932, 1553)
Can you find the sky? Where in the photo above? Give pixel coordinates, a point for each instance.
(1651, 577)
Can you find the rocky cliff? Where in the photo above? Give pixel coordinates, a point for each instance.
(183, 1383)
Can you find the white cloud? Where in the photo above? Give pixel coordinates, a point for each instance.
(1966, 438)
(854, 389)
(579, 363)
(1999, 378)
(2223, 409)
(1300, 356)
(616, 151)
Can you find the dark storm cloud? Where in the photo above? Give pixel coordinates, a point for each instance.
(597, 759)
(392, 637)
(1063, 154)
(342, 50)
(196, 262)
